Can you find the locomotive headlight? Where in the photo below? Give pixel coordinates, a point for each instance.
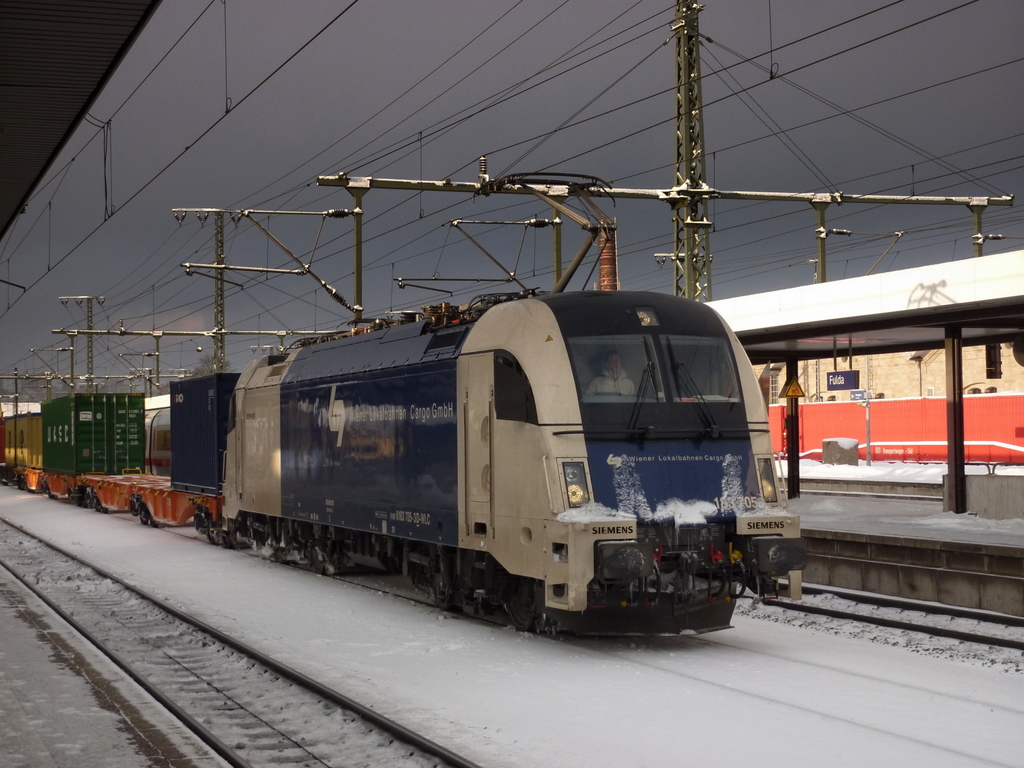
(576, 488)
(767, 477)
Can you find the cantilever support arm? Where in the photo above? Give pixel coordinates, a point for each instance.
(334, 294)
(511, 275)
(571, 269)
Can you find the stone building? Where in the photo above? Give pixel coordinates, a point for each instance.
(904, 374)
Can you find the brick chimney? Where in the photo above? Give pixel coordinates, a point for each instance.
(607, 262)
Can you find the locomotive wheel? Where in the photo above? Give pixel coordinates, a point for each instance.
(440, 596)
(520, 607)
(320, 561)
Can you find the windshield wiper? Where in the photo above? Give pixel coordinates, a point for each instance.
(710, 427)
(645, 380)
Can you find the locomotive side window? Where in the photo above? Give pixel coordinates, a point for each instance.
(702, 369)
(513, 395)
(616, 369)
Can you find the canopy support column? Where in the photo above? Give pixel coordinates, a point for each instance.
(956, 474)
(792, 436)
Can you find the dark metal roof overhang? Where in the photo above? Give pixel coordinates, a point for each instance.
(55, 58)
(940, 306)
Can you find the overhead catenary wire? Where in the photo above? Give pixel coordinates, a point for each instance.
(202, 135)
(383, 259)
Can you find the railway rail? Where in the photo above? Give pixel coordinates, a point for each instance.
(250, 709)
(911, 615)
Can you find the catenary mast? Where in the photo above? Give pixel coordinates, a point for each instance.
(691, 262)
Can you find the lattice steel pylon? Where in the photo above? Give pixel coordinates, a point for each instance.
(692, 255)
(219, 321)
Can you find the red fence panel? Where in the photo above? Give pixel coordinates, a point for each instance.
(911, 429)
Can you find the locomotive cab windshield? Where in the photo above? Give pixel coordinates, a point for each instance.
(664, 382)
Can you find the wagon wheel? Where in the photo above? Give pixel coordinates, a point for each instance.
(521, 607)
(96, 503)
(145, 517)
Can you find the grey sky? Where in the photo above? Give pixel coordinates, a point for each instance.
(378, 92)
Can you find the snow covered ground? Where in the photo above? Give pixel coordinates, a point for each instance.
(888, 471)
(766, 693)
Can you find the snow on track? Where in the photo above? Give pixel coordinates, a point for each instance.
(762, 693)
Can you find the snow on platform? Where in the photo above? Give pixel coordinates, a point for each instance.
(911, 518)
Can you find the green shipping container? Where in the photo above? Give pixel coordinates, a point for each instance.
(94, 434)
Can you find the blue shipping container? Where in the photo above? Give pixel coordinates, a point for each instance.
(199, 428)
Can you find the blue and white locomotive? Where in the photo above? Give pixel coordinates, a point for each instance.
(598, 462)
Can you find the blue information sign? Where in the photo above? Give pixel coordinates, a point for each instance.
(858, 394)
(843, 380)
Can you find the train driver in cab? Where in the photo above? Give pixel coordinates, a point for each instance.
(613, 379)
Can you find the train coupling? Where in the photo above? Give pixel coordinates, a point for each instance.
(772, 547)
(777, 556)
(623, 561)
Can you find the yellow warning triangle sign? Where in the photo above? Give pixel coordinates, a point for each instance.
(792, 389)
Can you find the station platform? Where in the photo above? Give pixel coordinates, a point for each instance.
(917, 518)
(913, 548)
(63, 704)
(894, 499)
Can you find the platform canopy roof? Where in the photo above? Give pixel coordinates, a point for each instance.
(900, 311)
(55, 57)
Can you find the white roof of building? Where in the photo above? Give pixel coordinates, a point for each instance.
(889, 312)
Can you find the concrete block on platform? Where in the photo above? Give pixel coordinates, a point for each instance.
(888, 553)
(817, 570)
(1002, 595)
(840, 450)
(959, 588)
(848, 574)
(858, 550)
(882, 578)
(996, 497)
(918, 583)
(818, 545)
(967, 561)
(1006, 566)
(926, 557)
